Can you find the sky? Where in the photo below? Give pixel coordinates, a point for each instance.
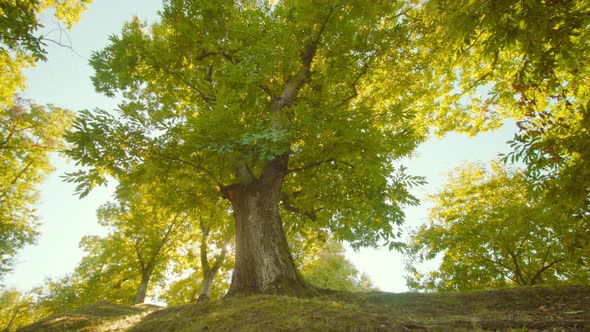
(64, 81)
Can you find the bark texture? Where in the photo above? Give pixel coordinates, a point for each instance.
(263, 261)
(206, 286)
(142, 288)
(209, 272)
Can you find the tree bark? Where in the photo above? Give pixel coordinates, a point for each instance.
(263, 261)
(209, 272)
(143, 286)
(206, 285)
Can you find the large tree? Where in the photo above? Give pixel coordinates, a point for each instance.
(294, 106)
(296, 111)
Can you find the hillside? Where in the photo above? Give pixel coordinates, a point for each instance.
(532, 309)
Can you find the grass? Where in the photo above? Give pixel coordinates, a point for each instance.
(512, 309)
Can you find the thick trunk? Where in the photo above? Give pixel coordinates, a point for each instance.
(263, 262)
(142, 288)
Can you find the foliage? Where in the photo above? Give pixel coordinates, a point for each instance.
(492, 233)
(17, 310)
(20, 46)
(208, 255)
(528, 60)
(325, 266)
(28, 133)
(106, 273)
(143, 239)
(186, 289)
(198, 86)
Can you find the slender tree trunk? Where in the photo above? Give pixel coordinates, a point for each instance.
(146, 274)
(263, 261)
(209, 273)
(206, 285)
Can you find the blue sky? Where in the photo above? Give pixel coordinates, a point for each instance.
(64, 81)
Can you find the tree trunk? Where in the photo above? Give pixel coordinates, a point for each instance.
(263, 261)
(209, 273)
(206, 285)
(143, 286)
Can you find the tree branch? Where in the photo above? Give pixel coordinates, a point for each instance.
(517, 270)
(188, 163)
(203, 247)
(312, 165)
(353, 87)
(289, 207)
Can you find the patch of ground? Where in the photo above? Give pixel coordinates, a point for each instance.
(513, 309)
(97, 317)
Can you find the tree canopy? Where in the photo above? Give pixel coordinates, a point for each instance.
(528, 60)
(490, 231)
(294, 117)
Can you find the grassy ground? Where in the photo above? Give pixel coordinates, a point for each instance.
(514, 309)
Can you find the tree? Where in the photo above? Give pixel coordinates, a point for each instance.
(491, 232)
(106, 273)
(148, 234)
(122, 267)
(28, 133)
(203, 274)
(210, 270)
(293, 111)
(325, 266)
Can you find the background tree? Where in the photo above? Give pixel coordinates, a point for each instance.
(491, 232)
(106, 273)
(28, 133)
(147, 232)
(127, 264)
(325, 266)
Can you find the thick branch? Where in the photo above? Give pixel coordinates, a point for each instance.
(188, 163)
(289, 93)
(545, 268)
(289, 207)
(517, 270)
